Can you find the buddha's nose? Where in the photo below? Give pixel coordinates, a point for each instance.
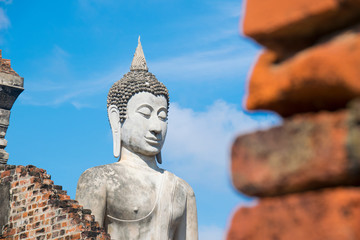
(155, 126)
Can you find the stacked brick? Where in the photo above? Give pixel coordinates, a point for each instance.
(306, 172)
(32, 207)
(5, 66)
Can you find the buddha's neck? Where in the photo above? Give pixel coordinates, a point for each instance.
(138, 159)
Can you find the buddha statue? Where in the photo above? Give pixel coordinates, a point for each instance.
(134, 198)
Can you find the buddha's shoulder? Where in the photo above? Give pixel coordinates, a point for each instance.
(99, 172)
(182, 184)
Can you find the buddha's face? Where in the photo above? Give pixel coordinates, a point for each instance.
(144, 129)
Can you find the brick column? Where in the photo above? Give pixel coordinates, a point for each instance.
(305, 173)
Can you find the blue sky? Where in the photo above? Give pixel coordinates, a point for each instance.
(70, 52)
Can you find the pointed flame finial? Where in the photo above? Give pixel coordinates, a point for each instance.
(139, 62)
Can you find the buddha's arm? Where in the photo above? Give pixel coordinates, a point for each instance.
(188, 227)
(91, 193)
(191, 217)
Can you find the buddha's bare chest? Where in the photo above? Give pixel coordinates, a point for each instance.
(132, 198)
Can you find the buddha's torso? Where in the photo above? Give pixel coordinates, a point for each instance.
(142, 203)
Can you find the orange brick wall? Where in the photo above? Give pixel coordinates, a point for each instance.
(41, 210)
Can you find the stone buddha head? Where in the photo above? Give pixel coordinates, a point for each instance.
(137, 109)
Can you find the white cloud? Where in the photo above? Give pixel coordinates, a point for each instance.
(6, 1)
(221, 21)
(211, 233)
(4, 20)
(79, 105)
(215, 64)
(230, 9)
(57, 82)
(199, 142)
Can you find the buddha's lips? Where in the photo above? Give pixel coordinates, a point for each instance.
(152, 140)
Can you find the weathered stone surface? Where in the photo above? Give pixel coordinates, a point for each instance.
(307, 152)
(323, 77)
(330, 214)
(11, 85)
(283, 25)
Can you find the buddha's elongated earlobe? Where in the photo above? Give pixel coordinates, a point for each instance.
(158, 158)
(114, 119)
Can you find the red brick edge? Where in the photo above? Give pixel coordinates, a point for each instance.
(41, 210)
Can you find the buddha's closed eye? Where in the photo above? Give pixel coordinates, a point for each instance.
(144, 111)
(162, 115)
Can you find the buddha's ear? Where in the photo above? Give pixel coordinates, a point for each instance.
(114, 119)
(158, 158)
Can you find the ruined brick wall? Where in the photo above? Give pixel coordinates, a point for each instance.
(305, 173)
(5, 66)
(32, 207)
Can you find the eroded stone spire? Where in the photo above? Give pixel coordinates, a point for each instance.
(139, 62)
(11, 85)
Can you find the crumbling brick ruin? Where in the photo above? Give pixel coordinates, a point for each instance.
(306, 173)
(32, 207)
(5, 66)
